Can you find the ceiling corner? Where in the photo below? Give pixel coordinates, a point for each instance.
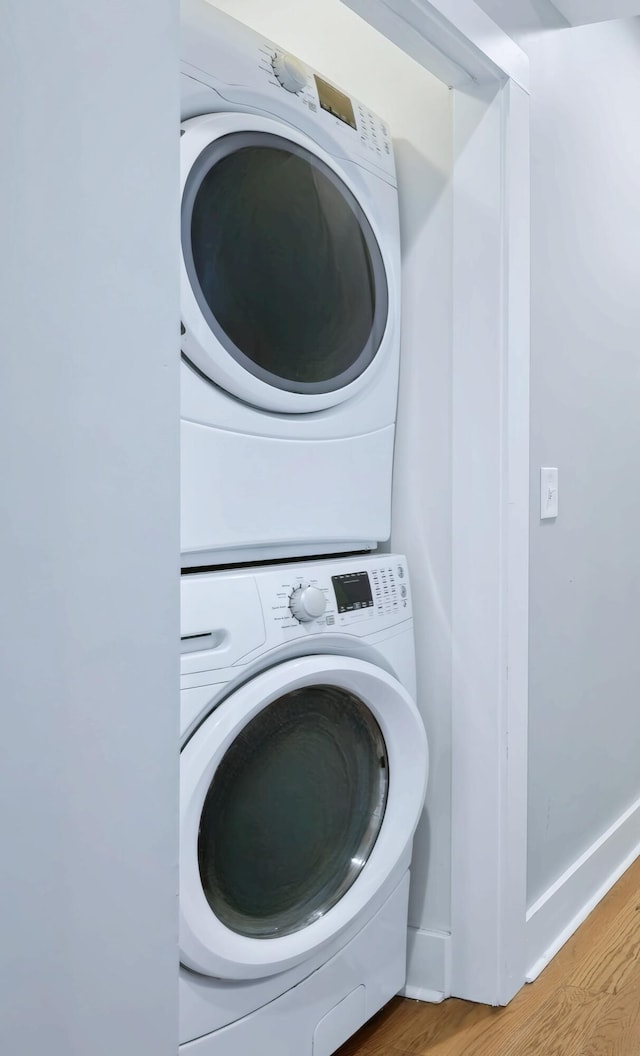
(583, 12)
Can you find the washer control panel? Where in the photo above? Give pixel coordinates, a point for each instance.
(232, 614)
(354, 595)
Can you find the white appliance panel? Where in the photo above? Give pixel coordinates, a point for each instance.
(302, 465)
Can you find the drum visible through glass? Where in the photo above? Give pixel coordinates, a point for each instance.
(283, 263)
(293, 812)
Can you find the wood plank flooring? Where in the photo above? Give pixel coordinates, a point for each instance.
(585, 1003)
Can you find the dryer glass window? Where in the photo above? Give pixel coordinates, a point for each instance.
(283, 263)
(293, 812)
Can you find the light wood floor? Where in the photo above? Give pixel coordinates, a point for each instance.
(585, 1003)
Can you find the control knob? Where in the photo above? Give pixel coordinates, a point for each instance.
(307, 603)
(289, 71)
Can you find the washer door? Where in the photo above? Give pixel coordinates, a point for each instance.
(284, 288)
(299, 795)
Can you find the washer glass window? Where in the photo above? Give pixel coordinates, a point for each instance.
(283, 263)
(293, 812)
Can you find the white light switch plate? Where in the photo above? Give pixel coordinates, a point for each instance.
(548, 492)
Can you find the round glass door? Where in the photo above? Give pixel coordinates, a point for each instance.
(300, 792)
(283, 263)
(293, 812)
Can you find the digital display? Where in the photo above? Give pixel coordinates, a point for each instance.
(353, 591)
(335, 102)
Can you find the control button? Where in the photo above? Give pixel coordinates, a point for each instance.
(403, 591)
(290, 72)
(307, 603)
(400, 572)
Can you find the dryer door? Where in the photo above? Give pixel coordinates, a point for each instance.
(284, 286)
(300, 794)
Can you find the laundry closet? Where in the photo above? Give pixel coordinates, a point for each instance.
(290, 484)
(283, 465)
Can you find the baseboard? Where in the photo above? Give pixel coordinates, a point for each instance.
(428, 965)
(563, 906)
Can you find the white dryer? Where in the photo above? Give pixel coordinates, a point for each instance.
(303, 774)
(290, 302)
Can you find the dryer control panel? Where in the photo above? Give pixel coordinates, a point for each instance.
(250, 71)
(340, 111)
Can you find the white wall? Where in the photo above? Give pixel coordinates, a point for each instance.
(584, 731)
(89, 528)
(418, 107)
(584, 787)
(584, 724)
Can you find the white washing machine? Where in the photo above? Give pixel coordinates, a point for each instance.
(303, 773)
(290, 302)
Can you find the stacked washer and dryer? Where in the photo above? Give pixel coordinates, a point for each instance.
(303, 756)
